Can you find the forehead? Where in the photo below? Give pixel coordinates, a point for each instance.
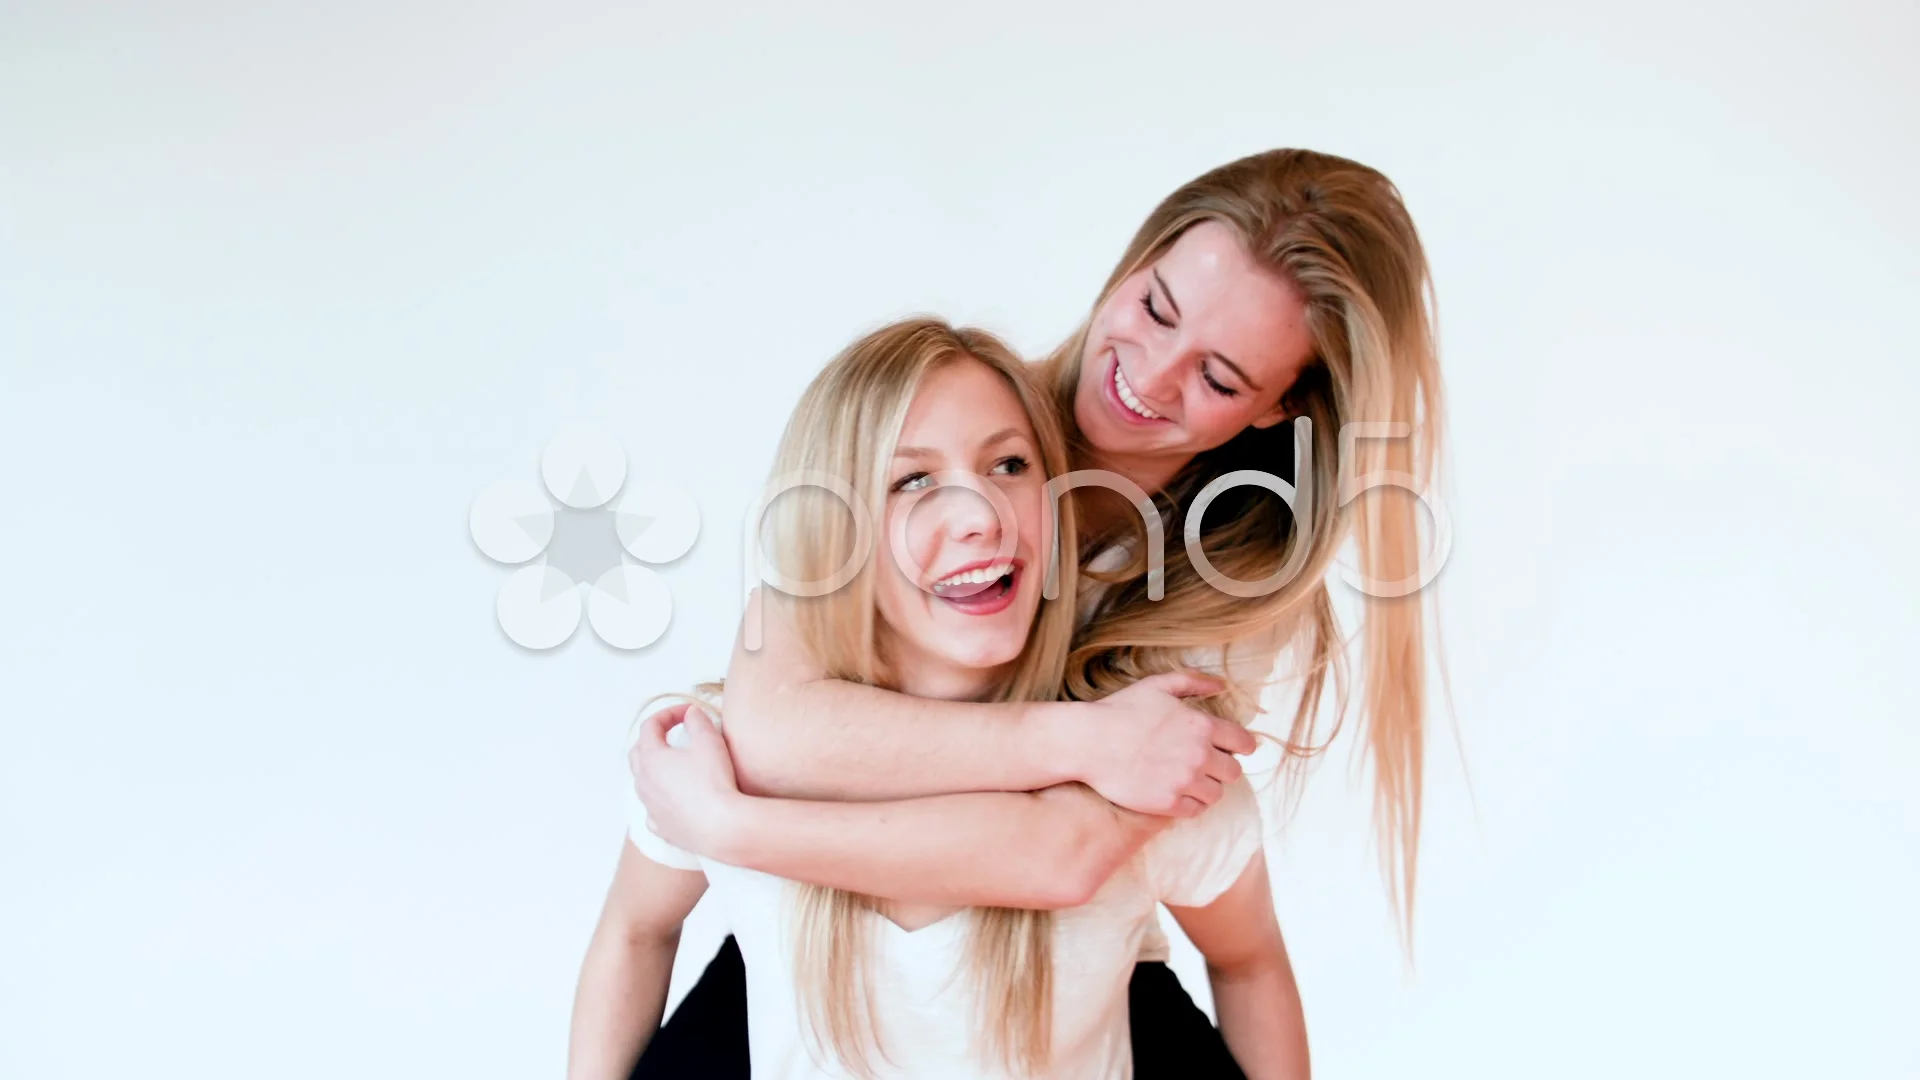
(1250, 313)
(961, 402)
(1211, 253)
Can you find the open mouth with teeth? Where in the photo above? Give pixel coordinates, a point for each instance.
(982, 589)
(1128, 402)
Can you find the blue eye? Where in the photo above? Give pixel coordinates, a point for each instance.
(912, 482)
(1010, 466)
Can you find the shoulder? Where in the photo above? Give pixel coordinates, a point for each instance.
(640, 828)
(1247, 663)
(1197, 858)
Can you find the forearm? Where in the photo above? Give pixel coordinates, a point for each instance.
(1042, 850)
(619, 1002)
(1258, 1006)
(794, 733)
(1254, 995)
(834, 740)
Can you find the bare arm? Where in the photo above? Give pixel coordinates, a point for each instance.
(1053, 848)
(796, 734)
(1046, 849)
(623, 982)
(1254, 993)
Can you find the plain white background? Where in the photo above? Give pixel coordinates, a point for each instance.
(282, 287)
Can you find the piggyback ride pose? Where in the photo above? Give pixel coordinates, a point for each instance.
(918, 981)
(1281, 297)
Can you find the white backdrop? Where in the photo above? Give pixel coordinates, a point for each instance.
(282, 288)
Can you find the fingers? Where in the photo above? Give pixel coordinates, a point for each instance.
(1233, 738)
(1205, 790)
(653, 730)
(1223, 767)
(701, 730)
(1188, 806)
(1185, 683)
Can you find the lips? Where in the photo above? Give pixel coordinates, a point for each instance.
(1125, 403)
(983, 588)
(1128, 398)
(972, 579)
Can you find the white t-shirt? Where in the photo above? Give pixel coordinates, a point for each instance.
(923, 990)
(1249, 664)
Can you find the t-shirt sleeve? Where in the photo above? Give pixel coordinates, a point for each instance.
(651, 845)
(1196, 859)
(644, 838)
(1247, 664)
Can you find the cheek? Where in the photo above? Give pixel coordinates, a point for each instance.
(1120, 317)
(1089, 382)
(1035, 526)
(892, 592)
(1219, 419)
(900, 603)
(910, 543)
(1128, 321)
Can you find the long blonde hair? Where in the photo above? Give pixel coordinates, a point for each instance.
(845, 429)
(1339, 231)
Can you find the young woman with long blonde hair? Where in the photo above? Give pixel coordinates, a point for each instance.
(1272, 316)
(919, 422)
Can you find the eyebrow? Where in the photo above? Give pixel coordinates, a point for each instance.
(1251, 385)
(1172, 303)
(923, 452)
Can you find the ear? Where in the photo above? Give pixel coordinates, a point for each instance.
(1271, 416)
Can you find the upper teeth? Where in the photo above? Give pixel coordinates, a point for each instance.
(978, 577)
(1127, 396)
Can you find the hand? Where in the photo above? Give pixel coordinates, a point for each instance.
(684, 776)
(1157, 755)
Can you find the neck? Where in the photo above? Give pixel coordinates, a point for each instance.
(945, 682)
(922, 674)
(1153, 474)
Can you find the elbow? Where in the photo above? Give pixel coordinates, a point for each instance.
(1081, 884)
(1077, 846)
(1075, 875)
(1077, 891)
(762, 771)
(650, 940)
(1056, 895)
(623, 942)
(640, 930)
(753, 745)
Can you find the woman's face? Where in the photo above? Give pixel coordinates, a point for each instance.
(958, 583)
(1187, 353)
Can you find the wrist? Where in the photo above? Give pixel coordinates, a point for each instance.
(1063, 741)
(730, 828)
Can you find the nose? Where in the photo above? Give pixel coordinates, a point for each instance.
(966, 515)
(1155, 376)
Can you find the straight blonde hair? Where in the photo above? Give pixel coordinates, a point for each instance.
(1339, 231)
(845, 428)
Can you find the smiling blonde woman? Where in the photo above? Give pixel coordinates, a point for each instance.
(1260, 311)
(923, 420)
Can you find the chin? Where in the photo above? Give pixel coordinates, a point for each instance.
(984, 654)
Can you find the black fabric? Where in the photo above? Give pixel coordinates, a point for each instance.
(706, 1037)
(1172, 1038)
